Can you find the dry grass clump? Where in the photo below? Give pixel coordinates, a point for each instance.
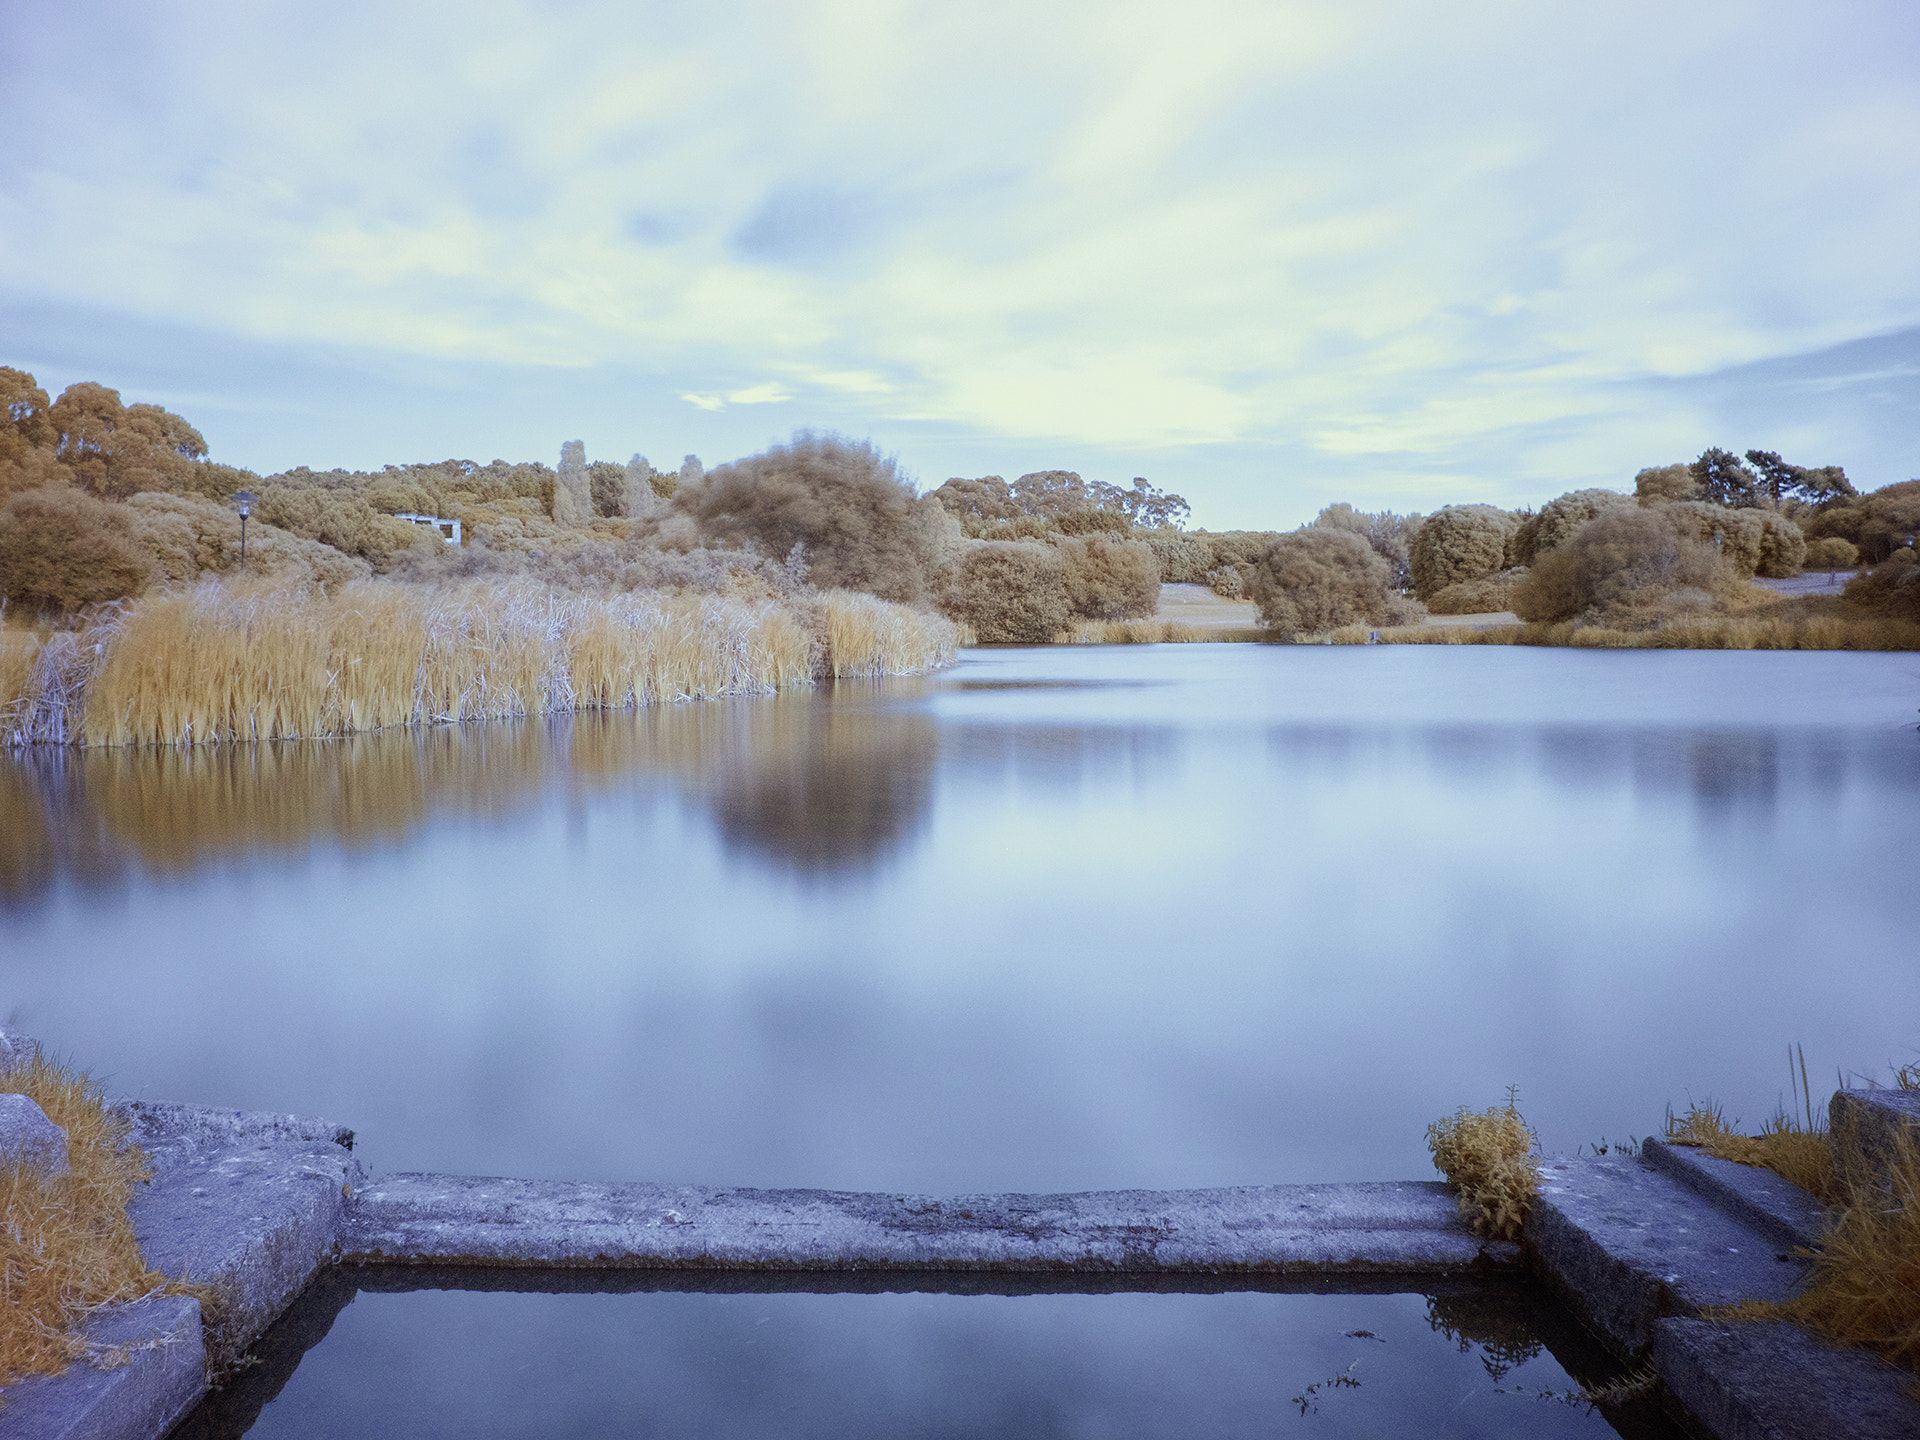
(238, 662)
(867, 636)
(1142, 632)
(1488, 1159)
(66, 1244)
(1801, 1153)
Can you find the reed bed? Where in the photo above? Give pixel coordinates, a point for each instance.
(66, 1244)
(1142, 632)
(224, 663)
(867, 636)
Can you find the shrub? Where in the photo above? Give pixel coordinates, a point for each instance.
(1754, 542)
(1832, 553)
(1317, 579)
(1488, 1159)
(1183, 559)
(1010, 593)
(1390, 535)
(1227, 582)
(1109, 579)
(977, 503)
(1460, 542)
(1558, 519)
(1236, 547)
(1094, 522)
(1478, 597)
(1891, 590)
(60, 549)
(1622, 561)
(185, 537)
(1662, 484)
(844, 503)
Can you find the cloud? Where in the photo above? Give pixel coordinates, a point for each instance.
(1350, 232)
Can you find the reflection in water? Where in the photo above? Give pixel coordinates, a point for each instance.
(727, 1354)
(821, 785)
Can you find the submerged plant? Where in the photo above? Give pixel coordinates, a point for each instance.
(1488, 1159)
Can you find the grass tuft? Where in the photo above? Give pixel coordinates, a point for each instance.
(66, 1245)
(1488, 1159)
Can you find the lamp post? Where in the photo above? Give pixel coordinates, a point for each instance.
(245, 500)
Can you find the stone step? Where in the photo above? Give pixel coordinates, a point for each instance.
(1758, 1199)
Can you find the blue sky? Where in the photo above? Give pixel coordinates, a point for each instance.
(1266, 254)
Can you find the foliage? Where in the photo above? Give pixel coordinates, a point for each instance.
(1316, 579)
(1094, 522)
(185, 537)
(1010, 592)
(1623, 562)
(572, 490)
(1461, 542)
(1890, 590)
(1553, 525)
(1478, 597)
(1753, 541)
(60, 549)
(1183, 559)
(1781, 482)
(1488, 1159)
(1832, 553)
(1108, 579)
(1878, 524)
(1662, 484)
(985, 504)
(843, 503)
(1389, 534)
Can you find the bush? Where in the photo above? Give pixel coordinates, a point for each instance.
(1754, 542)
(1010, 593)
(1109, 579)
(856, 520)
(1662, 484)
(1227, 582)
(1390, 535)
(1460, 542)
(1094, 522)
(185, 537)
(1622, 563)
(1183, 559)
(60, 549)
(1317, 579)
(1558, 519)
(1478, 597)
(1832, 553)
(1891, 590)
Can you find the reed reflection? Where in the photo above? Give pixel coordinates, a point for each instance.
(806, 783)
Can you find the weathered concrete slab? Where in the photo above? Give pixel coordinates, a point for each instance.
(149, 1370)
(1871, 1119)
(1759, 1199)
(1410, 1228)
(249, 1204)
(1753, 1380)
(1625, 1245)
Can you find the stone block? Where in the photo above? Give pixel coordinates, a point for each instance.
(1759, 1199)
(1764, 1380)
(1870, 1119)
(146, 1370)
(28, 1137)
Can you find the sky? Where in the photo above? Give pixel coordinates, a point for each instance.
(1266, 253)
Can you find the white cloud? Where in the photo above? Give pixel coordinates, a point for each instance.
(1365, 230)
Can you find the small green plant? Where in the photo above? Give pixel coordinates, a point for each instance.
(1488, 1159)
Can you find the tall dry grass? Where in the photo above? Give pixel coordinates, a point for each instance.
(868, 636)
(1141, 632)
(1706, 632)
(223, 663)
(66, 1244)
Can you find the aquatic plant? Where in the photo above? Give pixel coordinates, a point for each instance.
(226, 662)
(1488, 1159)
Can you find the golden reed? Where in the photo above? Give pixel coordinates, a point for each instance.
(223, 663)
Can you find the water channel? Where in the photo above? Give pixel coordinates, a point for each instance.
(1055, 919)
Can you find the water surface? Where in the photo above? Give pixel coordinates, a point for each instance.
(1056, 919)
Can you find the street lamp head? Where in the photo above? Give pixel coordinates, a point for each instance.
(244, 499)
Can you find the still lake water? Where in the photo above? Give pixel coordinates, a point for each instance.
(1055, 919)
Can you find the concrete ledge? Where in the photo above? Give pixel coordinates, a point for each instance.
(1624, 1245)
(1871, 1119)
(149, 1370)
(1759, 1199)
(1408, 1229)
(1753, 1380)
(250, 1205)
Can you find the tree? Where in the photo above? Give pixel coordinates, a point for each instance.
(1783, 481)
(60, 548)
(573, 488)
(1010, 593)
(1460, 542)
(1723, 480)
(1318, 579)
